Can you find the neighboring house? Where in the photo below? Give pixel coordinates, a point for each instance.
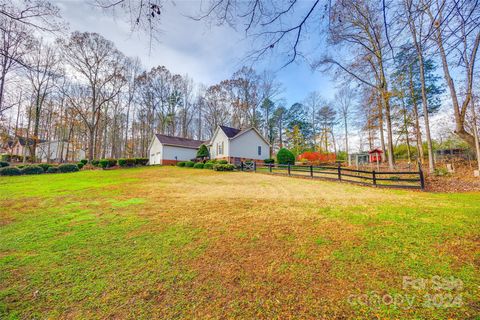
(235, 145)
(6, 146)
(20, 145)
(59, 151)
(168, 150)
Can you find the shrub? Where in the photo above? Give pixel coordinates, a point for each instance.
(269, 161)
(222, 162)
(52, 170)
(208, 165)
(80, 165)
(20, 166)
(285, 156)
(4, 164)
(95, 162)
(6, 157)
(141, 161)
(10, 171)
(198, 165)
(126, 162)
(189, 164)
(44, 166)
(316, 157)
(212, 161)
(67, 167)
(84, 161)
(203, 152)
(107, 163)
(223, 167)
(33, 169)
(181, 164)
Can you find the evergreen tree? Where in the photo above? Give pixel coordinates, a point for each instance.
(203, 152)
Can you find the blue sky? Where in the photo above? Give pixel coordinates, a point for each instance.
(206, 53)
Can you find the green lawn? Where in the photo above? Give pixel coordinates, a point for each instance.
(189, 243)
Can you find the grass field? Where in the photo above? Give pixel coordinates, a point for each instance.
(166, 242)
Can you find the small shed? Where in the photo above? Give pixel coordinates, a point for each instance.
(376, 155)
(358, 159)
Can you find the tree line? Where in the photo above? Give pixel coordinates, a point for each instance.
(395, 64)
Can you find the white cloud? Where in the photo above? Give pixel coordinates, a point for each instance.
(207, 54)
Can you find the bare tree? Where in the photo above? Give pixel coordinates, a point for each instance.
(415, 16)
(358, 26)
(313, 103)
(455, 29)
(99, 68)
(345, 99)
(37, 14)
(44, 68)
(14, 43)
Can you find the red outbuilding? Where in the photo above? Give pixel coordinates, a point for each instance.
(376, 155)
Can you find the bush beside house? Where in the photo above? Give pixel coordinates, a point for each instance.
(223, 167)
(208, 165)
(285, 156)
(202, 152)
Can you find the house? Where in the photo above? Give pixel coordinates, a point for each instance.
(21, 146)
(236, 145)
(167, 150)
(59, 151)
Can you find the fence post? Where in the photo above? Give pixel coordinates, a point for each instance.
(289, 169)
(374, 178)
(339, 172)
(311, 171)
(254, 166)
(270, 165)
(422, 178)
(241, 166)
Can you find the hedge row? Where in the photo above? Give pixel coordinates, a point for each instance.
(123, 162)
(220, 165)
(38, 169)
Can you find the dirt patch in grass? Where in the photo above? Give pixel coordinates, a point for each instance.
(463, 250)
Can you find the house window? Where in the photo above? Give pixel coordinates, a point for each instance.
(220, 148)
(259, 150)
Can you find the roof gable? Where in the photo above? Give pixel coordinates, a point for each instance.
(178, 141)
(254, 130)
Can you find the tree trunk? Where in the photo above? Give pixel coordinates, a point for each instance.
(346, 135)
(418, 131)
(431, 163)
(475, 131)
(380, 125)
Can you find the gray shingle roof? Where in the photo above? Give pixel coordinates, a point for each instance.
(178, 141)
(230, 132)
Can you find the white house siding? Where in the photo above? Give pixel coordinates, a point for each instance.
(156, 152)
(55, 150)
(246, 146)
(174, 153)
(217, 140)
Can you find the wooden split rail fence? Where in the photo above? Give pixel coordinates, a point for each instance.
(391, 179)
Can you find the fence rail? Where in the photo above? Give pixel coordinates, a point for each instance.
(391, 179)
